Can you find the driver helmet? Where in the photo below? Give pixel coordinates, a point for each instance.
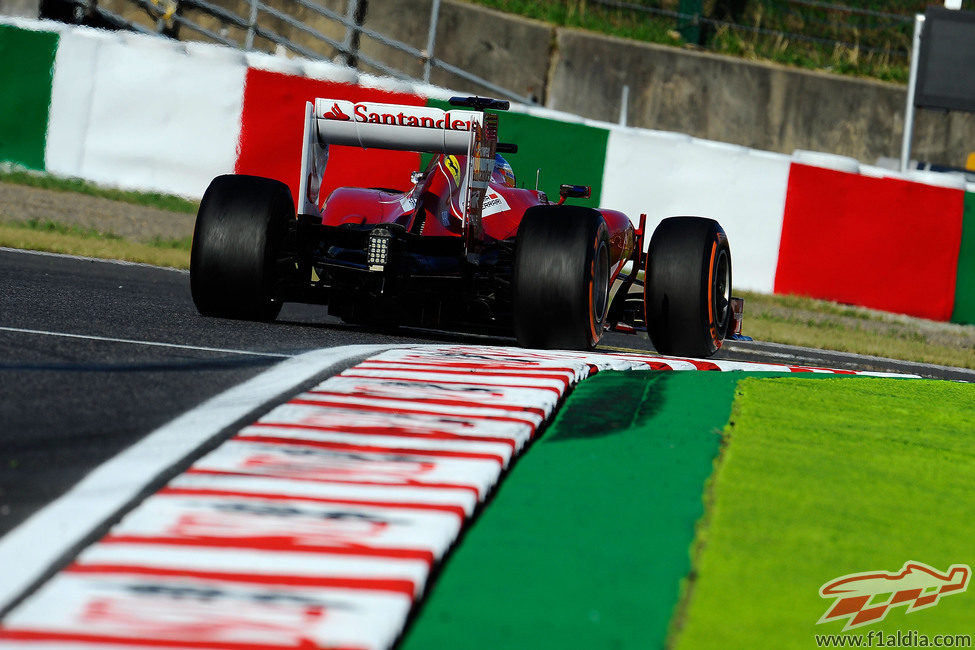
(503, 174)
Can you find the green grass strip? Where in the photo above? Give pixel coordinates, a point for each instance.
(587, 541)
(73, 240)
(819, 479)
(77, 186)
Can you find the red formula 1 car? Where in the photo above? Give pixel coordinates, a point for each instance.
(462, 249)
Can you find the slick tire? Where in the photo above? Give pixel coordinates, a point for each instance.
(240, 229)
(561, 278)
(687, 291)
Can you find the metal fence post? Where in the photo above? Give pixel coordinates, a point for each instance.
(351, 7)
(689, 24)
(911, 89)
(251, 27)
(431, 40)
(354, 15)
(624, 104)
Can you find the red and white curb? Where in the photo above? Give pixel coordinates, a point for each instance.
(318, 525)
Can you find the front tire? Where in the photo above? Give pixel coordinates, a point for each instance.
(239, 233)
(687, 293)
(561, 278)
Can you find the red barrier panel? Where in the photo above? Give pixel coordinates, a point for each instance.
(271, 130)
(883, 243)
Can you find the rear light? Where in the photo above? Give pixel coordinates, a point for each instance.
(377, 253)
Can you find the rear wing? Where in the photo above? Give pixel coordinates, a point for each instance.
(399, 127)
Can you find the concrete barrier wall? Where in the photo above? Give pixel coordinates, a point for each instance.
(20, 8)
(760, 105)
(709, 96)
(507, 50)
(144, 113)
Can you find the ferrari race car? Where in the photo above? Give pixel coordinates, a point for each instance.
(462, 248)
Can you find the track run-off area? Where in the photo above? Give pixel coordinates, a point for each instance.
(175, 481)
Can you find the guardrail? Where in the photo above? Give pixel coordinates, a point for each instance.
(169, 18)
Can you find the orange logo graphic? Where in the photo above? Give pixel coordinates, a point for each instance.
(865, 598)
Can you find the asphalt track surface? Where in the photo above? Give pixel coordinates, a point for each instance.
(95, 355)
(68, 404)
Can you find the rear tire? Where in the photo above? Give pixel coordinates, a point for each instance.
(561, 278)
(240, 229)
(688, 287)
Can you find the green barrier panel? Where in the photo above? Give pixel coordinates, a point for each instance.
(25, 77)
(565, 152)
(587, 541)
(821, 479)
(964, 309)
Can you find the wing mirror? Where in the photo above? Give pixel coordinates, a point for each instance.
(574, 192)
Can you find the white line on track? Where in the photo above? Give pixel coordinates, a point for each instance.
(89, 259)
(28, 551)
(90, 337)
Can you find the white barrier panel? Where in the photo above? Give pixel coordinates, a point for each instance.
(140, 113)
(744, 190)
(72, 95)
(951, 180)
(827, 161)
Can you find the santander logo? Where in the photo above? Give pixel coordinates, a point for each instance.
(394, 115)
(336, 113)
